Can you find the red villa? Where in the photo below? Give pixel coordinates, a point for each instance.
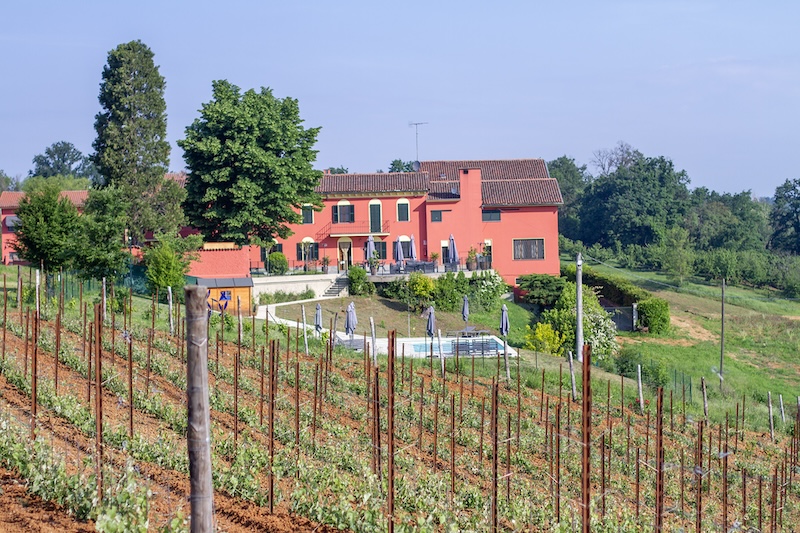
(507, 211)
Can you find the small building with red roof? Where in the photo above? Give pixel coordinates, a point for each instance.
(9, 203)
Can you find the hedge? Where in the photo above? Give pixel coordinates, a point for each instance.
(653, 312)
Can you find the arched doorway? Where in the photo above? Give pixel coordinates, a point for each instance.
(344, 248)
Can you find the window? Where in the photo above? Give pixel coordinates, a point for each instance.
(13, 223)
(225, 295)
(311, 252)
(436, 216)
(380, 247)
(343, 214)
(528, 248)
(277, 247)
(490, 215)
(405, 246)
(308, 215)
(402, 211)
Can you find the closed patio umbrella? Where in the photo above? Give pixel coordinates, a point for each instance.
(430, 330)
(398, 251)
(465, 309)
(412, 249)
(504, 333)
(318, 319)
(452, 251)
(350, 320)
(504, 321)
(369, 251)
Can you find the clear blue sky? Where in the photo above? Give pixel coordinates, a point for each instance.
(713, 85)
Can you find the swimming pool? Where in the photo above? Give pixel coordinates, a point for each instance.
(489, 346)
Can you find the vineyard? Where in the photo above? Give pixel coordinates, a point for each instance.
(94, 420)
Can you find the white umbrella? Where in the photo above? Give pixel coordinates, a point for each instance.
(398, 251)
(412, 249)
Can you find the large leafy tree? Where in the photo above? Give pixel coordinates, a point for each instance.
(398, 165)
(99, 250)
(131, 150)
(60, 158)
(60, 181)
(572, 180)
(730, 221)
(48, 225)
(249, 161)
(785, 218)
(635, 203)
(7, 183)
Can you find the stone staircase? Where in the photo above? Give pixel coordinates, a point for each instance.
(338, 287)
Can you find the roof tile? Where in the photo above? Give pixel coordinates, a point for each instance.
(373, 183)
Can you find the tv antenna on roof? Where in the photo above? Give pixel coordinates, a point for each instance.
(416, 132)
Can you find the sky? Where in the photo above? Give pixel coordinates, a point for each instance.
(712, 85)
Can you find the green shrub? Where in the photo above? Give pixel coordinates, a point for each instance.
(543, 338)
(278, 264)
(542, 289)
(359, 284)
(654, 372)
(654, 314)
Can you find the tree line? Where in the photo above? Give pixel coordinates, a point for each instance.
(640, 210)
(249, 162)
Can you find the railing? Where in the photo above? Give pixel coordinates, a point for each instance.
(362, 227)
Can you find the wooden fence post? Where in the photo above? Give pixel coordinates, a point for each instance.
(198, 432)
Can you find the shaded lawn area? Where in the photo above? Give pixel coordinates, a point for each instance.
(390, 314)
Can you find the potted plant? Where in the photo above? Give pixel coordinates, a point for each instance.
(435, 259)
(373, 263)
(472, 259)
(326, 261)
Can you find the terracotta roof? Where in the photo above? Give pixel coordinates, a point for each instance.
(11, 199)
(445, 190)
(521, 192)
(515, 182)
(177, 177)
(373, 183)
(491, 169)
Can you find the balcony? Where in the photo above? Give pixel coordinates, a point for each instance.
(359, 228)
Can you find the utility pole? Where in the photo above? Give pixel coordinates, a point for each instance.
(579, 308)
(722, 337)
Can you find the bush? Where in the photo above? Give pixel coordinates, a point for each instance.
(485, 290)
(598, 329)
(421, 289)
(277, 297)
(543, 338)
(278, 264)
(359, 284)
(542, 289)
(654, 373)
(654, 314)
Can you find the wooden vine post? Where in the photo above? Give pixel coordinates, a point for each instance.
(34, 376)
(586, 487)
(198, 429)
(98, 395)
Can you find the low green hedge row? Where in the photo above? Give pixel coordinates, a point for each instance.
(653, 311)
